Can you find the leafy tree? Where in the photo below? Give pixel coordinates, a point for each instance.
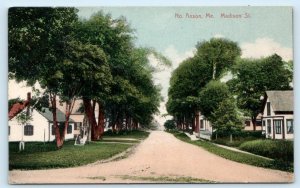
(185, 84)
(212, 58)
(134, 96)
(226, 117)
(113, 37)
(252, 77)
(211, 97)
(86, 66)
(170, 125)
(37, 39)
(220, 54)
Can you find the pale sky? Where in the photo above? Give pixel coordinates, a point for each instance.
(260, 31)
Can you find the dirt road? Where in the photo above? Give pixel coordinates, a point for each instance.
(160, 155)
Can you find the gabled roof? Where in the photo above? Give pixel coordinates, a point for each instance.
(281, 101)
(19, 107)
(59, 114)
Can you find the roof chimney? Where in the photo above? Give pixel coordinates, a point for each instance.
(28, 96)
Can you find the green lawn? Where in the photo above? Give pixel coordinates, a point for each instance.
(135, 134)
(236, 142)
(237, 156)
(277, 149)
(38, 155)
(119, 141)
(68, 156)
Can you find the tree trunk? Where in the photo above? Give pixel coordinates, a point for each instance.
(135, 124)
(126, 122)
(101, 120)
(193, 124)
(90, 114)
(58, 139)
(197, 121)
(69, 108)
(253, 119)
(230, 137)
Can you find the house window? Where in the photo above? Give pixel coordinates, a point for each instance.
(268, 108)
(69, 129)
(269, 126)
(258, 122)
(201, 124)
(289, 126)
(77, 126)
(28, 130)
(8, 130)
(53, 130)
(264, 123)
(247, 123)
(277, 124)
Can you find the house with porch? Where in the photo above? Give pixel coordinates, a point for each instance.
(278, 114)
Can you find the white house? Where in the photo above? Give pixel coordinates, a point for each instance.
(40, 128)
(278, 114)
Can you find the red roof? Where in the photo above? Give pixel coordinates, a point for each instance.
(18, 107)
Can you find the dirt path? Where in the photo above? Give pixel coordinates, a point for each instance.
(161, 154)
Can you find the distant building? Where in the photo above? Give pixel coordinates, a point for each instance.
(205, 128)
(278, 114)
(249, 125)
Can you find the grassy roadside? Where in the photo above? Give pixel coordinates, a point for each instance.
(134, 134)
(45, 156)
(68, 156)
(166, 179)
(237, 156)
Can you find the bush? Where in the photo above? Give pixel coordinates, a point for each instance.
(282, 150)
(109, 132)
(170, 125)
(32, 147)
(240, 134)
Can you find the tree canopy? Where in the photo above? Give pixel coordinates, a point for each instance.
(90, 59)
(219, 53)
(252, 77)
(211, 97)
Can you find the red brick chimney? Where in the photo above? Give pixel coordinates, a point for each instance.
(28, 96)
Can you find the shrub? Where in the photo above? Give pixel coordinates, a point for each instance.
(276, 149)
(240, 134)
(33, 147)
(170, 125)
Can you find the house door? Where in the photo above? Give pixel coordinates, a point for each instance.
(279, 127)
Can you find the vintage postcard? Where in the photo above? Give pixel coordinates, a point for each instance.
(101, 95)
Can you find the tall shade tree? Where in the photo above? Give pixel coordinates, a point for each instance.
(131, 89)
(252, 77)
(219, 53)
(226, 117)
(114, 37)
(211, 97)
(37, 41)
(185, 84)
(85, 71)
(134, 96)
